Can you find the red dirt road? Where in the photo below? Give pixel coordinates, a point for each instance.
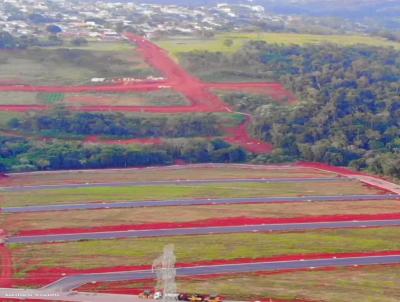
(197, 92)
(5, 266)
(231, 221)
(240, 136)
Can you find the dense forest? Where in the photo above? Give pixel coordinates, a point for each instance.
(61, 123)
(20, 154)
(349, 108)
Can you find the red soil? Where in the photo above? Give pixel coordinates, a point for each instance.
(44, 276)
(196, 91)
(5, 266)
(240, 136)
(231, 221)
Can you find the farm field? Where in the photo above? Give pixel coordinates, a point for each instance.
(72, 66)
(176, 45)
(16, 223)
(163, 97)
(131, 252)
(166, 173)
(151, 192)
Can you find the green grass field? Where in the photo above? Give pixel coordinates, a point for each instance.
(183, 44)
(69, 65)
(165, 192)
(364, 284)
(112, 46)
(110, 253)
(165, 97)
(96, 218)
(199, 172)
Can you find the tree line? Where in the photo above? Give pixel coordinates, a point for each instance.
(349, 109)
(62, 122)
(19, 154)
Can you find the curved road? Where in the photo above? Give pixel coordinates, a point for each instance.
(190, 202)
(173, 182)
(283, 227)
(72, 282)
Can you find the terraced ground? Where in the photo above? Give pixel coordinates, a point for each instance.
(168, 192)
(35, 265)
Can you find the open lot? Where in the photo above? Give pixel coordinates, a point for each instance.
(111, 253)
(176, 45)
(337, 285)
(72, 65)
(165, 97)
(223, 190)
(113, 217)
(166, 173)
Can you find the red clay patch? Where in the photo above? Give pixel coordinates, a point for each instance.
(5, 266)
(240, 136)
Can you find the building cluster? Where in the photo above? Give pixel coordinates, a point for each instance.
(104, 19)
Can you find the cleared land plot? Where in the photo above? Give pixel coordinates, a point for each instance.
(126, 175)
(72, 66)
(250, 99)
(110, 253)
(339, 285)
(379, 283)
(14, 223)
(184, 44)
(165, 97)
(228, 190)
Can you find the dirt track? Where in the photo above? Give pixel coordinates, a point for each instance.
(199, 94)
(5, 266)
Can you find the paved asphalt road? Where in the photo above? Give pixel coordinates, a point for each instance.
(284, 227)
(43, 295)
(72, 282)
(190, 202)
(173, 182)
